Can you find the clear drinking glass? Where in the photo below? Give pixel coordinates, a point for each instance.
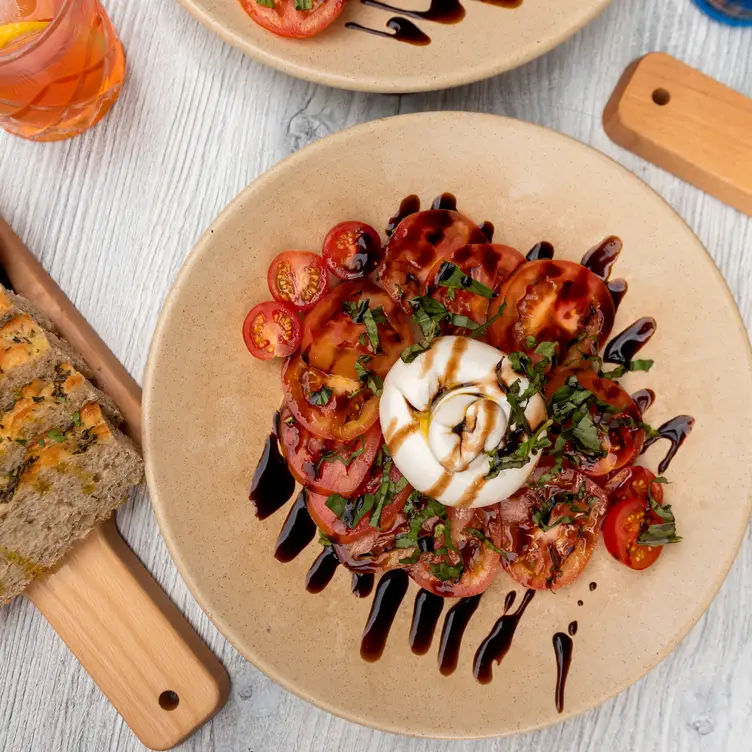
(734, 12)
(62, 75)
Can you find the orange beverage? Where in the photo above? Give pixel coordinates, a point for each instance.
(61, 67)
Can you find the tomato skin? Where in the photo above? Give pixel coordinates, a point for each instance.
(632, 483)
(480, 561)
(304, 453)
(285, 21)
(487, 263)
(271, 330)
(622, 527)
(553, 301)
(417, 243)
(337, 530)
(298, 278)
(352, 250)
(534, 550)
(622, 444)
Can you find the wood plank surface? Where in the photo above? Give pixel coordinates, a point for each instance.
(113, 214)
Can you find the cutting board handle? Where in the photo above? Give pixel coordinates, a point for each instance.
(132, 640)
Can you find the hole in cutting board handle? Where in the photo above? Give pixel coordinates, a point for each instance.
(169, 700)
(661, 97)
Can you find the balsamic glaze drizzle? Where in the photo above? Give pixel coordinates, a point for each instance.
(488, 230)
(644, 398)
(389, 594)
(572, 628)
(362, 584)
(676, 431)
(445, 200)
(455, 624)
(409, 205)
(404, 31)
(322, 570)
(297, 531)
(625, 345)
(498, 642)
(426, 613)
(273, 483)
(563, 648)
(593, 586)
(542, 250)
(618, 289)
(601, 258)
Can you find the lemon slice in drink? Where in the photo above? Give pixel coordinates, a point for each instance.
(12, 32)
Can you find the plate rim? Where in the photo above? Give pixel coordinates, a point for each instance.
(407, 86)
(171, 299)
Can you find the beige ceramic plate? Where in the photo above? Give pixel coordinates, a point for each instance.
(208, 407)
(488, 41)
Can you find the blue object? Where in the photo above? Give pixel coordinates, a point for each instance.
(733, 12)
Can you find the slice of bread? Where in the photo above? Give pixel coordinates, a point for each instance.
(66, 484)
(28, 352)
(44, 405)
(12, 304)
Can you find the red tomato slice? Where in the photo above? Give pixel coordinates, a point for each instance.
(632, 483)
(333, 341)
(480, 562)
(325, 466)
(338, 530)
(487, 263)
(352, 250)
(285, 21)
(298, 278)
(621, 443)
(621, 529)
(552, 301)
(551, 530)
(417, 243)
(271, 330)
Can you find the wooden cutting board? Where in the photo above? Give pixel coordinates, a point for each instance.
(108, 609)
(687, 123)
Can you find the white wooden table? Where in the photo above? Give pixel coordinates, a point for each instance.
(113, 214)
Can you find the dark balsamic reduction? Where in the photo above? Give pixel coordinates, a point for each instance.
(322, 570)
(580, 603)
(362, 584)
(296, 533)
(389, 594)
(563, 648)
(618, 289)
(542, 250)
(5, 280)
(409, 205)
(272, 484)
(503, 3)
(455, 624)
(572, 628)
(593, 586)
(440, 11)
(426, 614)
(601, 258)
(498, 642)
(445, 200)
(404, 31)
(644, 398)
(488, 230)
(625, 345)
(676, 431)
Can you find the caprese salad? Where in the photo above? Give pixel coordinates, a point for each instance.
(450, 409)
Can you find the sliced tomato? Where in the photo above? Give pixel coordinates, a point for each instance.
(632, 483)
(487, 263)
(466, 564)
(352, 250)
(271, 330)
(343, 530)
(552, 301)
(325, 466)
(285, 21)
(621, 529)
(551, 530)
(333, 341)
(619, 427)
(417, 243)
(298, 278)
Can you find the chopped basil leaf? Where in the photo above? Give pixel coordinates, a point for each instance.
(409, 354)
(56, 436)
(412, 559)
(266, 3)
(450, 276)
(289, 420)
(633, 365)
(372, 329)
(356, 311)
(481, 536)
(362, 339)
(76, 418)
(303, 4)
(587, 436)
(323, 540)
(520, 456)
(446, 572)
(372, 380)
(530, 342)
(363, 505)
(403, 541)
(663, 533)
(321, 397)
(483, 328)
(337, 504)
(330, 455)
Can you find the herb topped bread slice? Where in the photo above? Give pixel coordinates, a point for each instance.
(68, 482)
(12, 304)
(28, 351)
(45, 405)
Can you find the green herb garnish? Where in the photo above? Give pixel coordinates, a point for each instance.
(451, 276)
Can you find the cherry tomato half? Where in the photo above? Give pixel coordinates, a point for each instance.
(271, 330)
(325, 466)
(352, 250)
(552, 301)
(621, 529)
(298, 278)
(285, 21)
(551, 530)
(632, 483)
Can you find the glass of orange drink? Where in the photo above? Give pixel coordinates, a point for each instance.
(61, 67)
